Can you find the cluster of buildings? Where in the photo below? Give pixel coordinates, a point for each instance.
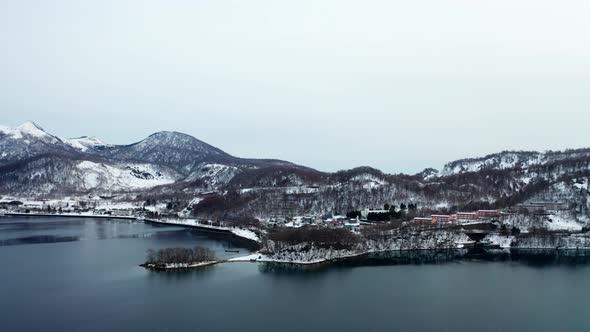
(88, 206)
(460, 216)
(541, 207)
(536, 207)
(337, 221)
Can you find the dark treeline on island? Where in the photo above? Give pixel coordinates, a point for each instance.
(338, 238)
(178, 257)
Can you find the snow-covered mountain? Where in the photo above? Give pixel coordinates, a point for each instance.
(28, 130)
(33, 160)
(27, 141)
(60, 176)
(180, 151)
(36, 163)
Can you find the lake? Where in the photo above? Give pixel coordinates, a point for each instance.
(70, 274)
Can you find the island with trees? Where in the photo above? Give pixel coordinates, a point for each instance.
(179, 258)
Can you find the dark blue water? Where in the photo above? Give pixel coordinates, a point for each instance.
(82, 275)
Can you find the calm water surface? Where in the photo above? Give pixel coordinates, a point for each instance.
(82, 275)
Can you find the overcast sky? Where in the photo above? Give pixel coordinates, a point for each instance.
(397, 85)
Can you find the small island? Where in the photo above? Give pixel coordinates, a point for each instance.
(179, 258)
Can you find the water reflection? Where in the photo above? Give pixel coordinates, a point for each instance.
(38, 239)
(24, 231)
(529, 257)
(181, 274)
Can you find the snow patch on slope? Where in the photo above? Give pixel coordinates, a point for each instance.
(369, 181)
(134, 176)
(511, 159)
(216, 174)
(84, 143)
(556, 221)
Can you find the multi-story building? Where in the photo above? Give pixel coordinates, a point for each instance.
(488, 213)
(441, 218)
(467, 216)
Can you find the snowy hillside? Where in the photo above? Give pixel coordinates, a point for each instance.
(510, 160)
(86, 143)
(177, 150)
(28, 130)
(122, 177)
(36, 163)
(215, 175)
(29, 155)
(28, 141)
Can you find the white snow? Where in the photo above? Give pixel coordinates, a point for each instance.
(5, 130)
(562, 223)
(248, 258)
(184, 266)
(113, 205)
(31, 129)
(502, 241)
(557, 221)
(324, 256)
(28, 129)
(245, 233)
(156, 208)
(291, 190)
(582, 184)
(293, 224)
(217, 174)
(369, 181)
(101, 176)
(84, 143)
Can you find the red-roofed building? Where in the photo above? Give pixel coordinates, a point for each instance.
(488, 213)
(441, 218)
(467, 216)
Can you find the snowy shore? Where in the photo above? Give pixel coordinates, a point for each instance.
(192, 223)
(307, 254)
(177, 266)
(68, 215)
(239, 232)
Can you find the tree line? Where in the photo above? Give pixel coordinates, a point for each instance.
(321, 237)
(393, 213)
(179, 255)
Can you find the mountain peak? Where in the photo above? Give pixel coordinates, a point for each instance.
(28, 129)
(167, 135)
(31, 127)
(176, 139)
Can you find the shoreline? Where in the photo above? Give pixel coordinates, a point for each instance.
(251, 240)
(89, 216)
(256, 256)
(351, 258)
(177, 266)
(251, 259)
